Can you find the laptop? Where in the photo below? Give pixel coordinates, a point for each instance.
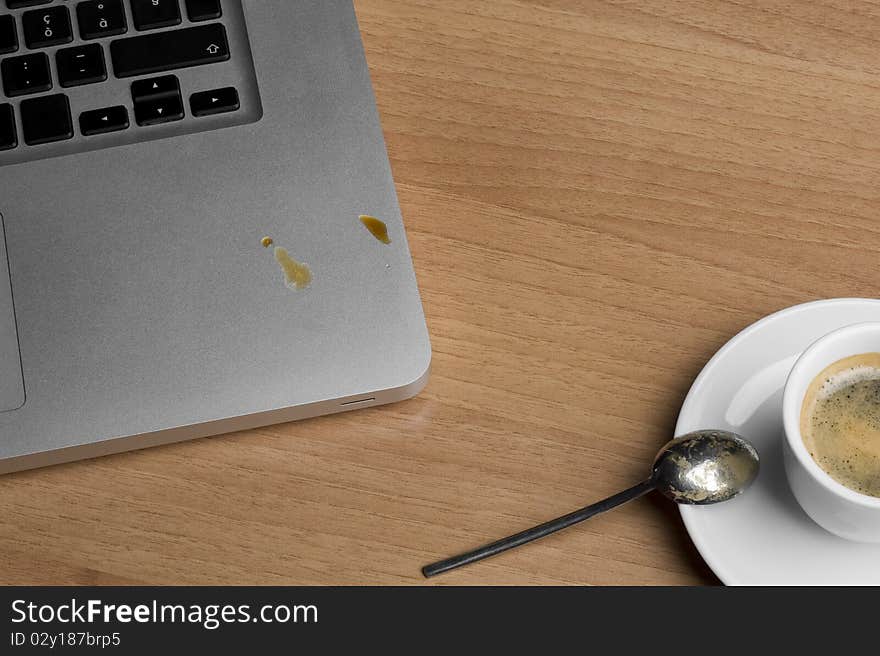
(200, 232)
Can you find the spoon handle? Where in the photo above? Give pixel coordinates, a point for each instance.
(540, 531)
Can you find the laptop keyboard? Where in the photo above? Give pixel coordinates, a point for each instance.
(79, 76)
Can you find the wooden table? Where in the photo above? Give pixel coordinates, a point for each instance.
(598, 195)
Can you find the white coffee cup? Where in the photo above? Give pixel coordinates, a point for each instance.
(830, 504)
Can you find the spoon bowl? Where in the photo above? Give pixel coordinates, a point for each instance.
(704, 467)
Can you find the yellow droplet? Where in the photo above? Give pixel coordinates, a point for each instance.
(266, 242)
(376, 227)
(298, 275)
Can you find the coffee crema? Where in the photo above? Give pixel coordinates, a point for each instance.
(840, 422)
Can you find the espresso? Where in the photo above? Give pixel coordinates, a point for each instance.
(840, 422)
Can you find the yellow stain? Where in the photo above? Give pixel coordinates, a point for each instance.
(266, 242)
(376, 227)
(298, 275)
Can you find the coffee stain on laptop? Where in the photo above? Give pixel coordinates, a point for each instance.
(297, 275)
(376, 227)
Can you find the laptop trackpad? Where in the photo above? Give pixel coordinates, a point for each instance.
(11, 383)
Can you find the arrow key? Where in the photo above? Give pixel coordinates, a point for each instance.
(155, 87)
(101, 121)
(158, 110)
(214, 102)
(157, 100)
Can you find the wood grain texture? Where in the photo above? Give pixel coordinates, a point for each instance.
(598, 196)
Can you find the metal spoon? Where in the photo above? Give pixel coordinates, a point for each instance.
(703, 467)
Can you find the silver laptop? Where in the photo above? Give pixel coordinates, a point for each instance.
(182, 250)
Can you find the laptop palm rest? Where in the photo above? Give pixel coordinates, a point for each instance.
(11, 383)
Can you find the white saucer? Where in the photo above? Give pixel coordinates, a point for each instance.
(763, 537)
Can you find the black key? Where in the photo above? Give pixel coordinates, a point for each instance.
(159, 110)
(101, 121)
(81, 65)
(166, 51)
(46, 119)
(26, 74)
(8, 36)
(157, 100)
(150, 14)
(99, 18)
(47, 27)
(8, 137)
(18, 4)
(154, 87)
(214, 102)
(199, 10)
